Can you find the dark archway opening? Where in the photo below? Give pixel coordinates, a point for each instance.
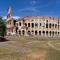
(36, 32)
(39, 32)
(19, 32)
(23, 32)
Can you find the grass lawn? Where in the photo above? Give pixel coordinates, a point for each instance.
(28, 48)
(52, 54)
(8, 54)
(56, 43)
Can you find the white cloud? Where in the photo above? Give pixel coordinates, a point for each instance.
(29, 9)
(35, 8)
(14, 17)
(4, 17)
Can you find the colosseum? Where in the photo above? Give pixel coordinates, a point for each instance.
(33, 25)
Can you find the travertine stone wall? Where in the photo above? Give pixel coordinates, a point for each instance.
(39, 26)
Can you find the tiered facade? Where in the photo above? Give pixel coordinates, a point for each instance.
(33, 26)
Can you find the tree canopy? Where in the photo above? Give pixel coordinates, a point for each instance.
(2, 27)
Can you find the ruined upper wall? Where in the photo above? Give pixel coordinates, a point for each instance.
(49, 18)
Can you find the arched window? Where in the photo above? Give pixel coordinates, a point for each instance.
(32, 25)
(19, 23)
(50, 25)
(25, 24)
(47, 25)
(36, 24)
(53, 25)
(28, 24)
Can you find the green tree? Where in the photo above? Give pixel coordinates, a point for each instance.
(2, 27)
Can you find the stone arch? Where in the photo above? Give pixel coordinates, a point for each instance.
(29, 33)
(32, 32)
(39, 32)
(43, 32)
(58, 33)
(55, 33)
(47, 33)
(50, 33)
(19, 32)
(36, 32)
(50, 25)
(23, 32)
(32, 24)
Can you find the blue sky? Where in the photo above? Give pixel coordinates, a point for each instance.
(31, 7)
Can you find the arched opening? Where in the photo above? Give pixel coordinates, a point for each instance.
(32, 32)
(16, 30)
(32, 25)
(47, 33)
(29, 33)
(53, 25)
(53, 33)
(36, 32)
(36, 25)
(19, 32)
(43, 32)
(19, 23)
(47, 25)
(50, 25)
(56, 33)
(39, 32)
(23, 32)
(50, 33)
(28, 24)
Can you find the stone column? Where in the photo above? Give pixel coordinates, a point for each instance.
(45, 33)
(57, 29)
(21, 32)
(45, 28)
(41, 33)
(34, 27)
(38, 27)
